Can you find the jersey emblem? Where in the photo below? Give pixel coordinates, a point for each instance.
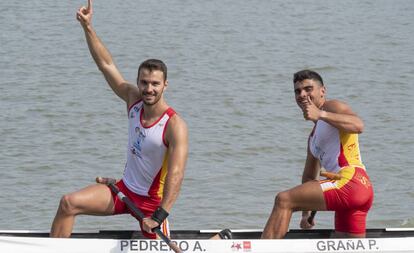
(137, 146)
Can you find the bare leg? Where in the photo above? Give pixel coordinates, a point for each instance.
(278, 223)
(307, 196)
(94, 200)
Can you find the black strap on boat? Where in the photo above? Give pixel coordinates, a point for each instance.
(225, 234)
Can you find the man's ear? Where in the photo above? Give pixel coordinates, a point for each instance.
(323, 91)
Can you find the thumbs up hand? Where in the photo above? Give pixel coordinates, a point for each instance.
(311, 111)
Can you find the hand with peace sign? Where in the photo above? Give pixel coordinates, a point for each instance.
(84, 14)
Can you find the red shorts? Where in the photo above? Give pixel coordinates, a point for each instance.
(350, 197)
(147, 205)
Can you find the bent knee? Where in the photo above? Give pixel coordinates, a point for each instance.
(67, 204)
(283, 200)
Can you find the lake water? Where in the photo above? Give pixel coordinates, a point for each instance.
(230, 72)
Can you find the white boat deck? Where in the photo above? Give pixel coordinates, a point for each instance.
(37, 242)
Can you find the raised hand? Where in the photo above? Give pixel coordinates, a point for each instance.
(84, 14)
(310, 110)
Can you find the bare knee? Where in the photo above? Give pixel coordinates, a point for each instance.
(67, 205)
(283, 200)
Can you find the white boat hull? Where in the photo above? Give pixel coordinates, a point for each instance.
(38, 243)
(76, 245)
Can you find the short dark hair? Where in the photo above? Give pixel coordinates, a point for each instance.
(307, 74)
(154, 64)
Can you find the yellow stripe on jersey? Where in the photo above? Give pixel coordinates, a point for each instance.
(346, 175)
(350, 149)
(164, 171)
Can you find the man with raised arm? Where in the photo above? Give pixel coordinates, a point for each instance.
(333, 144)
(157, 147)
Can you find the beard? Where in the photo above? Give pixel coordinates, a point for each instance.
(152, 102)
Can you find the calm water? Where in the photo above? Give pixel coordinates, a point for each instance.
(230, 69)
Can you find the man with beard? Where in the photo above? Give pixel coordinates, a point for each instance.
(157, 147)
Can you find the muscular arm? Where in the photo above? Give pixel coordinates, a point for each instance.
(310, 172)
(312, 167)
(340, 115)
(103, 58)
(177, 137)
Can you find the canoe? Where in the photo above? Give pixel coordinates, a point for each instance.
(117, 241)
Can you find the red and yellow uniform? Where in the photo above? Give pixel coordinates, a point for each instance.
(146, 167)
(351, 196)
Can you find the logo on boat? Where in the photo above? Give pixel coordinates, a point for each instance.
(245, 246)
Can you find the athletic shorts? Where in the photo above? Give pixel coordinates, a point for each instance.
(147, 206)
(350, 197)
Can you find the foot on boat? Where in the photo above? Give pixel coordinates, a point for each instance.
(225, 234)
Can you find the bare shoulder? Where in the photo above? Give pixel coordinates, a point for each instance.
(177, 123)
(337, 106)
(176, 129)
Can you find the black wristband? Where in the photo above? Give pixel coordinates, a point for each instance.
(159, 215)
